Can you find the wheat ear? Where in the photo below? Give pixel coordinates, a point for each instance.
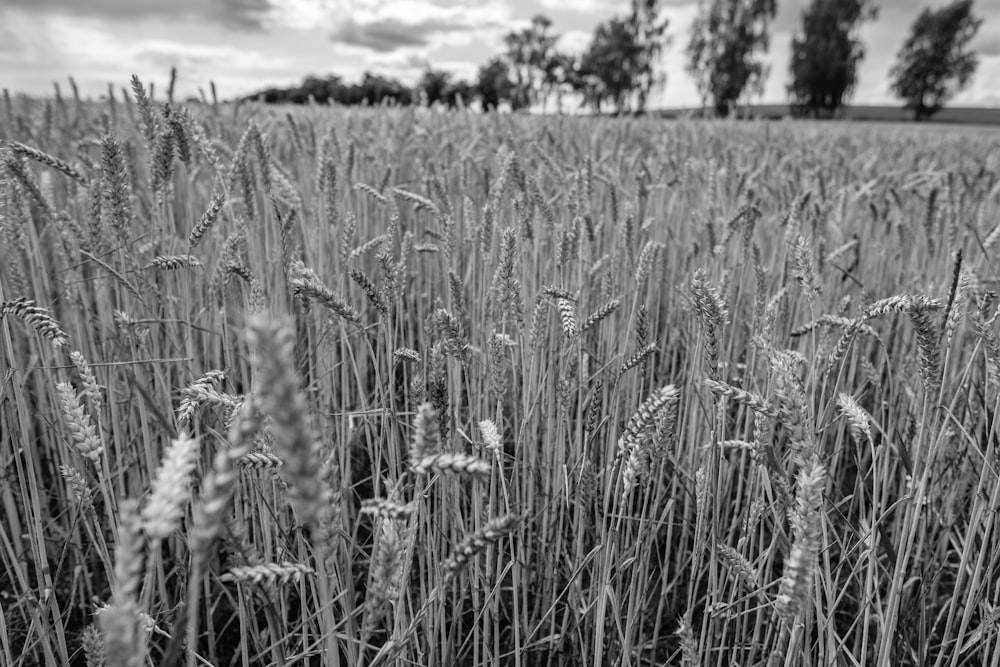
(166, 504)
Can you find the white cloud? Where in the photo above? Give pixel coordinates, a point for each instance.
(401, 24)
(574, 42)
(165, 54)
(238, 14)
(604, 7)
(301, 14)
(406, 64)
(985, 86)
(56, 46)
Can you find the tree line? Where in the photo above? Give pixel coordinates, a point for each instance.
(621, 67)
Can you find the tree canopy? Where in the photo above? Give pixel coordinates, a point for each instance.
(935, 61)
(494, 85)
(620, 67)
(608, 67)
(528, 52)
(826, 53)
(726, 41)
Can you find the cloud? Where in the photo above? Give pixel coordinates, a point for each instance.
(987, 42)
(94, 53)
(590, 6)
(406, 65)
(383, 36)
(236, 14)
(9, 41)
(194, 58)
(985, 84)
(409, 65)
(407, 24)
(574, 42)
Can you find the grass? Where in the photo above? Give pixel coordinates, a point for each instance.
(389, 387)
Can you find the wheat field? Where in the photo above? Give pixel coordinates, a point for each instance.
(345, 387)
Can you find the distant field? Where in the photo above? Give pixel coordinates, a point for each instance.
(949, 115)
(337, 386)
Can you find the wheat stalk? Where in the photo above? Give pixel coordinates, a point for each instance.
(386, 509)
(173, 262)
(38, 318)
(857, 418)
(567, 315)
(166, 504)
(405, 354)
(806, 522)
(600, 315)
(281, 398)
(459, 464)
(206, 221)
(50, 161)
(267, 573)
(91, 390)
(81, 490)
(307, 285)
(491, 437)
(385, 570)
(121, 622)
(477, 542)
(81, 428)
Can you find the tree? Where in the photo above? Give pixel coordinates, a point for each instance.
(935, 61)
(435, 85)
(650, 33)
(377, 89)
(726, 38)
(560, 75)
(459, 92)
(826, 53)
(493, 84)
(620, 65)
(528, 52)
(608, 67)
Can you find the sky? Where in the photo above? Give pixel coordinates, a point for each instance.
(247, 45)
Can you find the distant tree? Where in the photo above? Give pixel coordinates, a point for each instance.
(377, 89)
(584, 81)
(434, 84)
(493, 84)
(650, 31)
(560, 72)
(723, 52)
(935, 61)
(620, 65)
(321, 90)
(608, 69)
(529, 51)
(826, 53)
(459, 93)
